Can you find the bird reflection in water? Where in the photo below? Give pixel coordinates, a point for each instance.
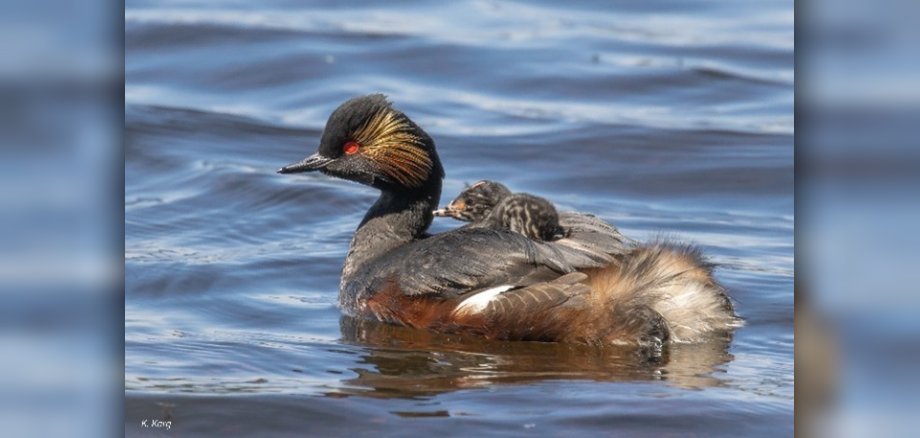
(401, 362)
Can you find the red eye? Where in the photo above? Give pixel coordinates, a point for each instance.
(350, 148)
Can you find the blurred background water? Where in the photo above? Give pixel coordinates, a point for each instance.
(673, 119)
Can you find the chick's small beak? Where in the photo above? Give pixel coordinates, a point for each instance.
(442, 212)
(309, 164)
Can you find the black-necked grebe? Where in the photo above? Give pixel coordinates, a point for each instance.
(491, 204)
(592, 286)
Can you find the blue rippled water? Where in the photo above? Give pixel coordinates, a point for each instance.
(666, 119)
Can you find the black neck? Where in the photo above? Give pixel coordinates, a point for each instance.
(399, 216)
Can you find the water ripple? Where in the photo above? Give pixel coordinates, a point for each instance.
(670, 120)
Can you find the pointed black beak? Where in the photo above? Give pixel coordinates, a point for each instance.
(309, 164)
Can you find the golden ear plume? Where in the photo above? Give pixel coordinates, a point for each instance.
(389, 139)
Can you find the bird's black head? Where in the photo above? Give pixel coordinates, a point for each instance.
(366, 140)
(476, 202)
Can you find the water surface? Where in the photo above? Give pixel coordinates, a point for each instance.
(668, 120)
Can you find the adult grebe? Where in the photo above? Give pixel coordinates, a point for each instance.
(592, 286)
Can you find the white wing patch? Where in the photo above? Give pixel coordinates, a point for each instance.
(477, 303)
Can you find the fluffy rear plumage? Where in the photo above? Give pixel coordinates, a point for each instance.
(672, 280)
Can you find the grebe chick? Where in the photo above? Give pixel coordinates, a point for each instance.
(592, 286)
(491, 204)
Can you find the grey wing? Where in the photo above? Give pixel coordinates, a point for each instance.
(589, 241)
(469, 259)
(472, 258)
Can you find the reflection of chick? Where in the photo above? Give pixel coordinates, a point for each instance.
(491, 204)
